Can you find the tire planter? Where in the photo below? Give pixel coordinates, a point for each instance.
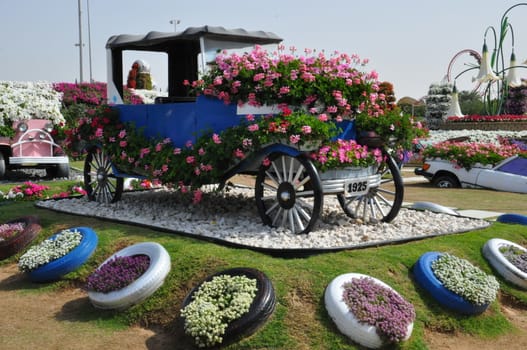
(435, 208)
(426, 278)
(69, 262)
(512, 219)
(15, 244)
(261, 308)
(141, 288)
(491, 251)
(361, 333)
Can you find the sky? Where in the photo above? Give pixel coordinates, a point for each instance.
(409, 43)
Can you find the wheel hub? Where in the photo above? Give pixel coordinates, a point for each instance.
(286, 195)
(101, 175)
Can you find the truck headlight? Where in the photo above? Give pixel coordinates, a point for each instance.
(22, 127)
(48, 127)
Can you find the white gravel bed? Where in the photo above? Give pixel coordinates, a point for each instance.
(233, 217)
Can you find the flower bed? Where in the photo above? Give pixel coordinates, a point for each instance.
(455, 283)
(508, 259)
(129, 276)
(227, 306)
(63, 252)
(368, 311)
(16, 234)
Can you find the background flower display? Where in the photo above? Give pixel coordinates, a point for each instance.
(26, 100)
(467, 154)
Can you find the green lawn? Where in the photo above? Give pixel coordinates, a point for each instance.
(300, 320)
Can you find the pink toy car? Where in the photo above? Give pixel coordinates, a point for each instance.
(33, 146)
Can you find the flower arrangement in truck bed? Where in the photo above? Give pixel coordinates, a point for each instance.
(333, 86)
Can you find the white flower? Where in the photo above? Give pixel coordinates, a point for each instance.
(49, 250)
(23, 101)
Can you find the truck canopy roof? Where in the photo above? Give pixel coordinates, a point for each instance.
(159, 41)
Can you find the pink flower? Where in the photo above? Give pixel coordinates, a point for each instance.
(122, 134)
(306, 129)
(122, 143)
(253, 127)
(238, 153)
(159, 147)
(294, 139)
(197, 196)
(177, 151)
(190, 160)
(323, 117)
(266, 161)
(250, 117)
(216, 138)
(98, 132)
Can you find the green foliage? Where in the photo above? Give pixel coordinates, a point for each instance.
(471, 103)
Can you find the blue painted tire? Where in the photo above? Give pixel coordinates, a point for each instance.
(70, 262)
(426, 278)
(512, 219)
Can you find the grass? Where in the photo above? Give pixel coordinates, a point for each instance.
(300, 320)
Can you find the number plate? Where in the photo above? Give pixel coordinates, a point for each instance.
(356, 188)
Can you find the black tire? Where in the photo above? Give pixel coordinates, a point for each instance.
(381, 203)
(288, 193)
(446, 181)
(100, 182)
(261, 308)
(2, 166)
(59, 171)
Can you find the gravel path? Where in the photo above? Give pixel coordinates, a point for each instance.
(233, 218)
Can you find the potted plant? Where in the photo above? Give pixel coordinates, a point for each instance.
(16, 234)
(62, 253)
(509, 259)
(455, 283)
(341, 158)
(227, 306)
(368, 311)
(129, 276)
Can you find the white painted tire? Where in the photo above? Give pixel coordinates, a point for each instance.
(491, 251)
(141, 288)
(434, 207)
(361, 333)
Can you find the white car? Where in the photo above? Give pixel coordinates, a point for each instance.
(510, 175)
